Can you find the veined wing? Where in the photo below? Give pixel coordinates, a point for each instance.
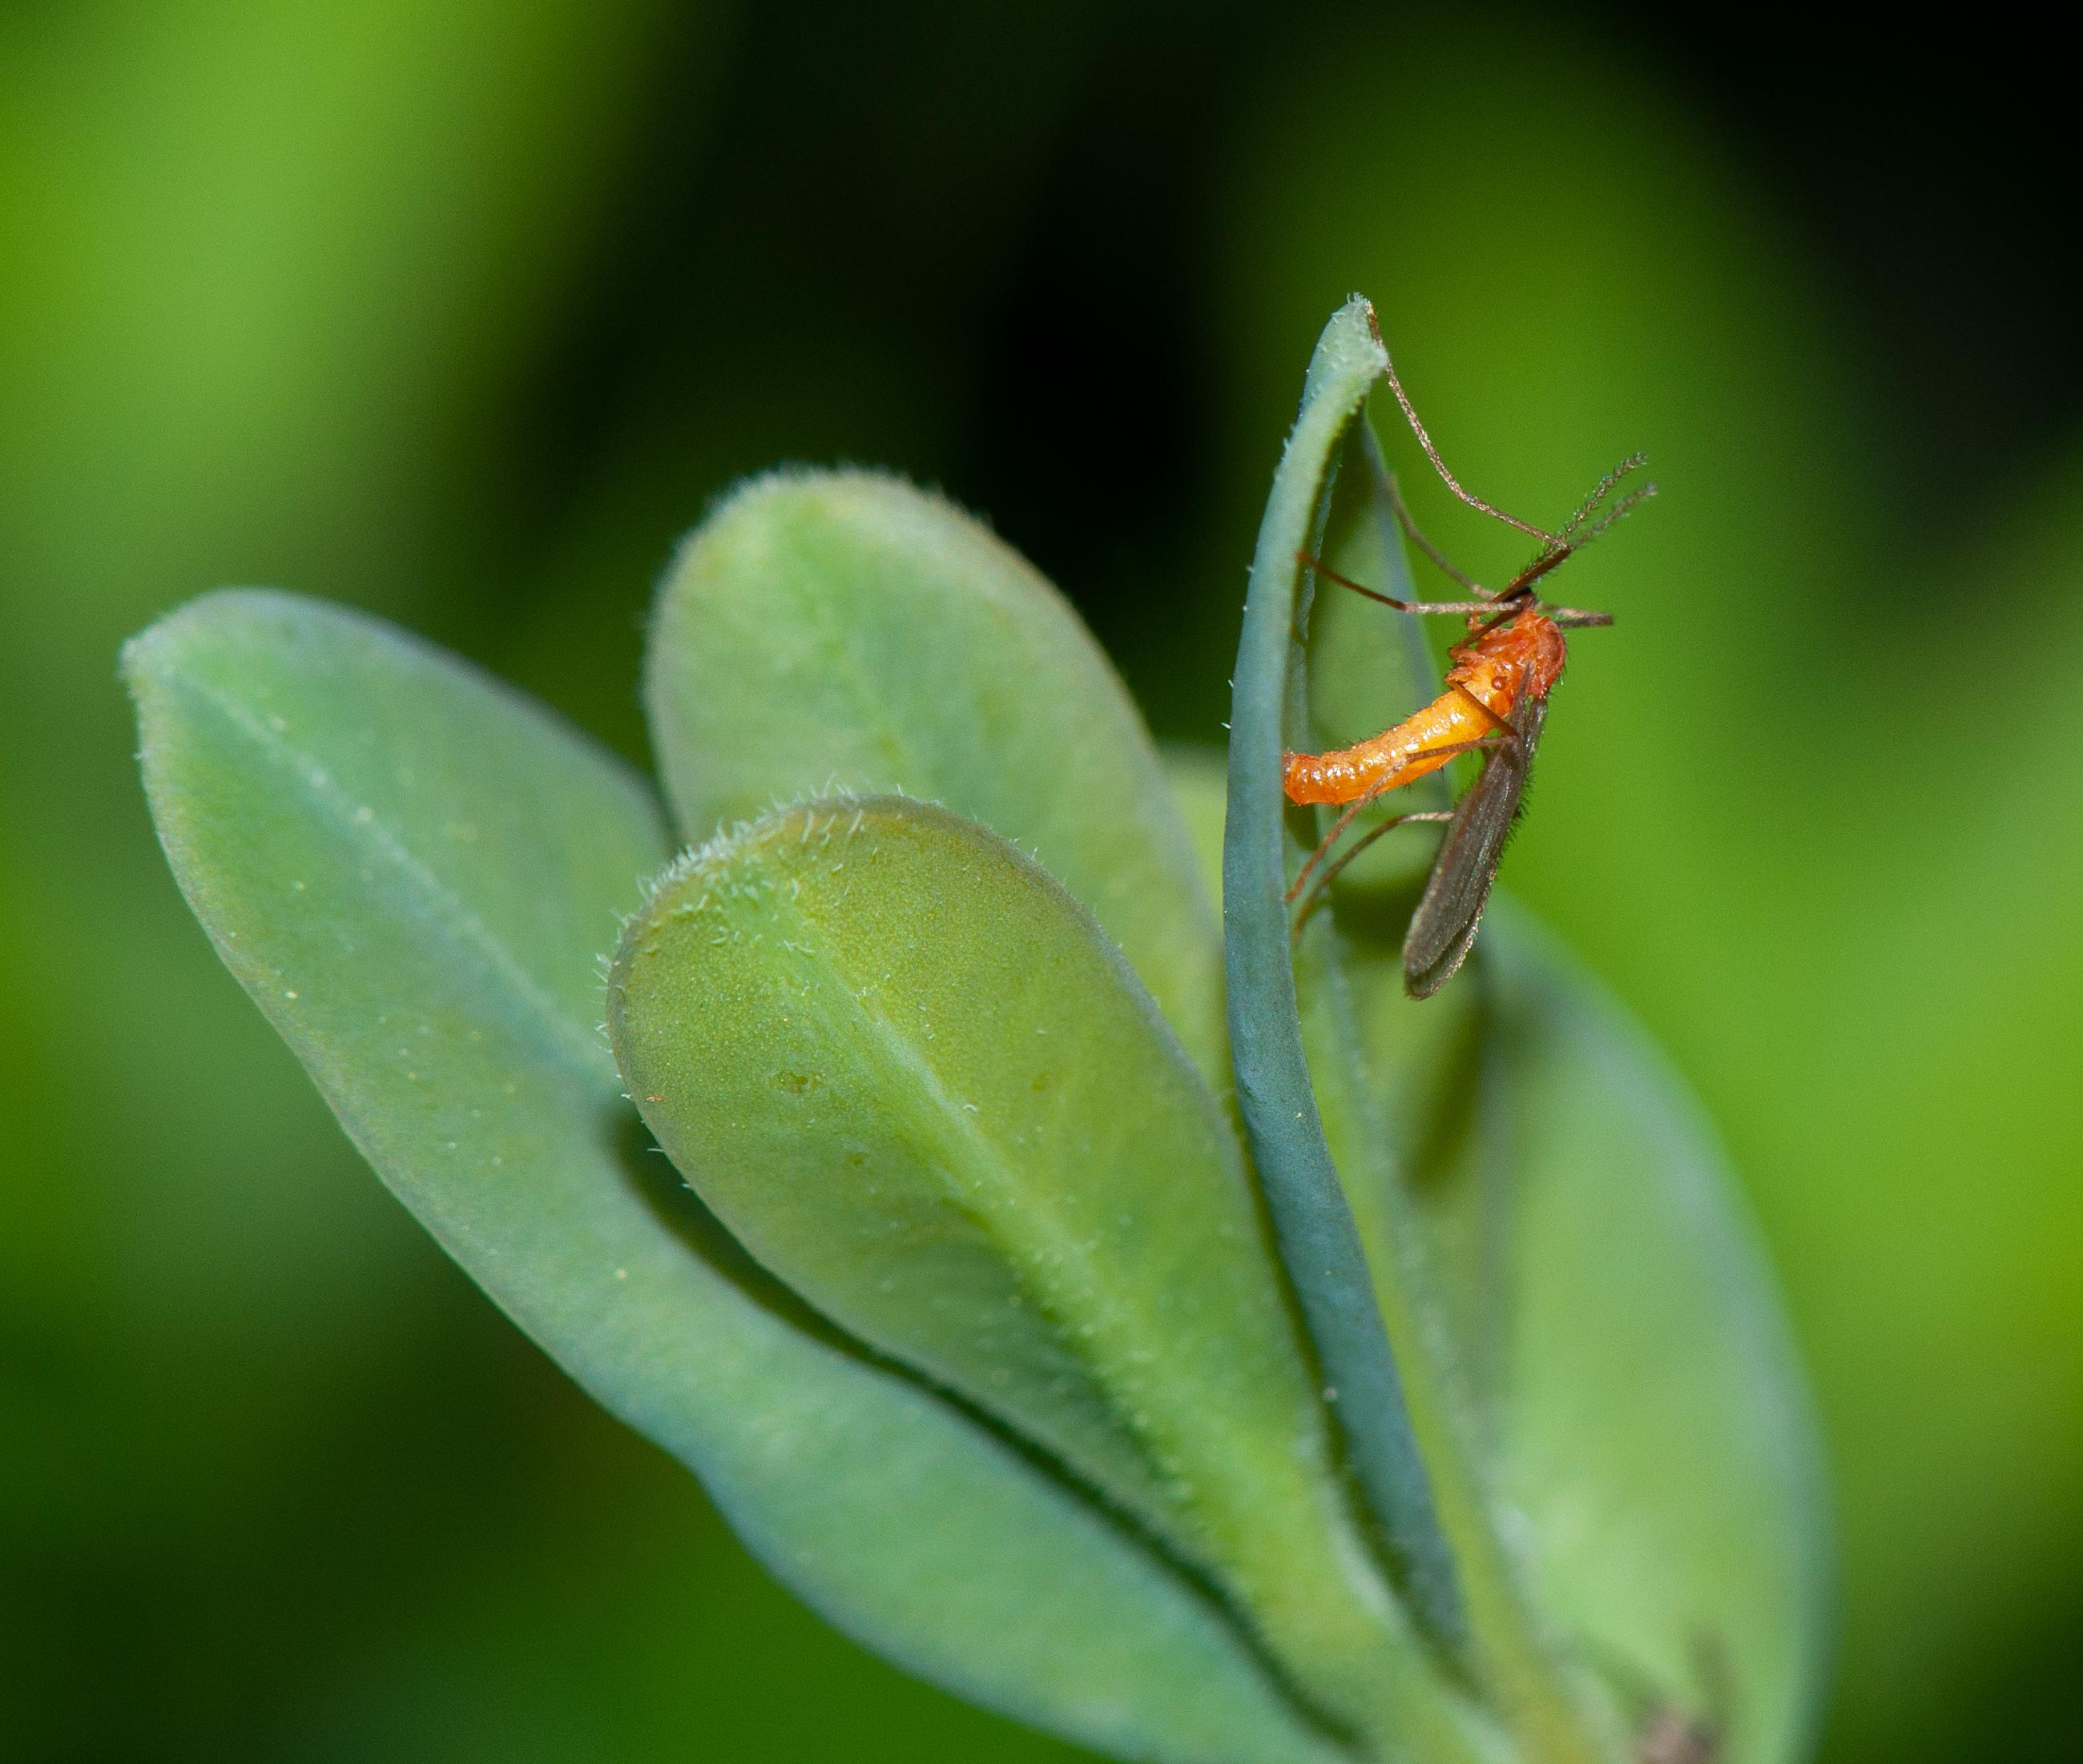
(1442, 929)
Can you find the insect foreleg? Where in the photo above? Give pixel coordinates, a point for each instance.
(1330, 575)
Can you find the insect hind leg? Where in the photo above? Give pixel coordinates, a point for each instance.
(1319, 894)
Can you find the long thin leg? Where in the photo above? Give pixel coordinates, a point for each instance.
(1439, 464)
(1318, 894)
(1573, 616)
(1403, 519)
(1330, 575)
(1330, 839)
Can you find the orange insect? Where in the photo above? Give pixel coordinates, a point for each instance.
(1490, 673)
(1497, 682)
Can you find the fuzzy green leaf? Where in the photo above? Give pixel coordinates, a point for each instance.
(412, 871)
(915, 1079)
(842, 631)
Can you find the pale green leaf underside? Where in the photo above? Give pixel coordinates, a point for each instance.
(1642, 1413)
(1647, 1413)
(1656, 1433)
(844, 631)
(412, 871)
(915, 1079)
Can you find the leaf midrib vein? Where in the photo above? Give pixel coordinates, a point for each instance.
(572, 1045)
(973, 1145)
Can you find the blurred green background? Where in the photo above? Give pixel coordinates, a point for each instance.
(461, 312)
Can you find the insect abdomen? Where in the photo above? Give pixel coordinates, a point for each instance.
(1388, 761)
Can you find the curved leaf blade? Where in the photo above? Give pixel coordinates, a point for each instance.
(827, 631)
(1318, 1240)
(918, 1082)
(1337, 1159)
(410, 869)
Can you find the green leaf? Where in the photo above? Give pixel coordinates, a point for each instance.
(915, 1080)
(1647, 1413)
(1200, 780)
(1318, 1241)
(826, 631)
(412, 871)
